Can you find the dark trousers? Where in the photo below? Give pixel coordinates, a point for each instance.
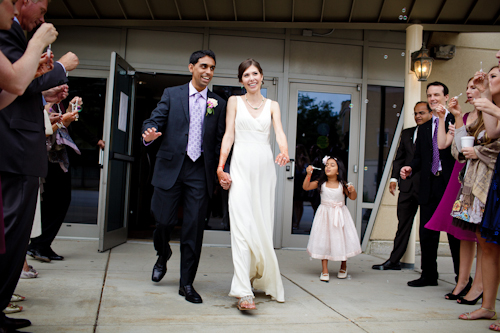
(191, 188)
(429, 239)
(19, 202)
(407, 208)
(56, 198)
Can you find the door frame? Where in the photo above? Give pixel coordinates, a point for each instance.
(297, 241)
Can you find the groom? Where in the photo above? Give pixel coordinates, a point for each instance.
(192, 121)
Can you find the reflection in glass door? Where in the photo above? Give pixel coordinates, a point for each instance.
(383, 109)
(324, 120)
(322, 129)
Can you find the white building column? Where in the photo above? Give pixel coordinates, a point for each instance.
(412, 96)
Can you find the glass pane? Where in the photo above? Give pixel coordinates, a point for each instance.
(364, 222)
(322, 129)
(382, 116)
(84, 168)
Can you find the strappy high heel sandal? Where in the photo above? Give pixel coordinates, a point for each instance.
(466, 315)
(246, 299)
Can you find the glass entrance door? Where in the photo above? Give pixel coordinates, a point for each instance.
(324, 120)
(117, 157)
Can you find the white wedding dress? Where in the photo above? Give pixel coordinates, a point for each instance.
(251, 206)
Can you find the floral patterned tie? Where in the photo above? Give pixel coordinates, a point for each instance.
(195, 129)
(435, 149)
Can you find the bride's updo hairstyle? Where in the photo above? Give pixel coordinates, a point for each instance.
(246, 64)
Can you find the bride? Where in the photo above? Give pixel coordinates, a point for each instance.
(251, 182)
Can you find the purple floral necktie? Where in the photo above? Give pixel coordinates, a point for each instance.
(435, 149)
(195, 129)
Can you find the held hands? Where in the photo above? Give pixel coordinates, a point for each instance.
(224, 178)
(150, 134)
(392, 187)
(469, 153)
(405, 172)
(282, 159)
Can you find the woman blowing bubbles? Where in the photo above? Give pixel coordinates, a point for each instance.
(251, 183)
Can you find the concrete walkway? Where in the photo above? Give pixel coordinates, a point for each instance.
(113, 292)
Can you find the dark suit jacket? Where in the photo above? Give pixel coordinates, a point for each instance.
(404, 156)
(422, 161)
(22, 130)
(171, 118)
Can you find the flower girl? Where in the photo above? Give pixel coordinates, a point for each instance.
(333, 234)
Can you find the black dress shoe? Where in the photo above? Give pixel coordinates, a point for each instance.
(190, 294)
(159, 269)
(423, 282)
(52, 255)
(388, 265)
(39, 255)
(10, 324)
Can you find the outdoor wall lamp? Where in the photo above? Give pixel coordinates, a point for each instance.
(421, 63)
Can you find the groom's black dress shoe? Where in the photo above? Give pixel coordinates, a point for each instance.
(159, 269)
(423, 282)
(52, 255)
(388, 266)
(38, 254)
(190, 294)
(12, 324)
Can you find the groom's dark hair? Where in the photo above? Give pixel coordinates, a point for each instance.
(200, 54)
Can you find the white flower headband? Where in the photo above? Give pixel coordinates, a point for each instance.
(325, 159)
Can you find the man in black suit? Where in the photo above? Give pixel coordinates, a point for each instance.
(408, 188)
(23, 152)
(192, 120)
(435, 166)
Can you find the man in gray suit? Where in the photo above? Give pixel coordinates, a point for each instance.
(191, 120)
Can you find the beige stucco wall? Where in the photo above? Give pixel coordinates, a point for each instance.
(471, 49)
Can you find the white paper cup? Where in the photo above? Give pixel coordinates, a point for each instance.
(467, 141)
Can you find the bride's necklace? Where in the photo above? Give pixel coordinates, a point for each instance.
(253, 107)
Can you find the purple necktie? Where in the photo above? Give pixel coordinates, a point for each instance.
(435, 149)
(195, 129)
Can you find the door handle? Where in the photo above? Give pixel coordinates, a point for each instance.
(291, 168)
(355, 168)
(101, 158)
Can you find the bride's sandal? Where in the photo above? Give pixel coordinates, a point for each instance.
(495, 326)
(467, 315)
(246, 303)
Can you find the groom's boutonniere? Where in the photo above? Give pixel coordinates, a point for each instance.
(211, 105)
